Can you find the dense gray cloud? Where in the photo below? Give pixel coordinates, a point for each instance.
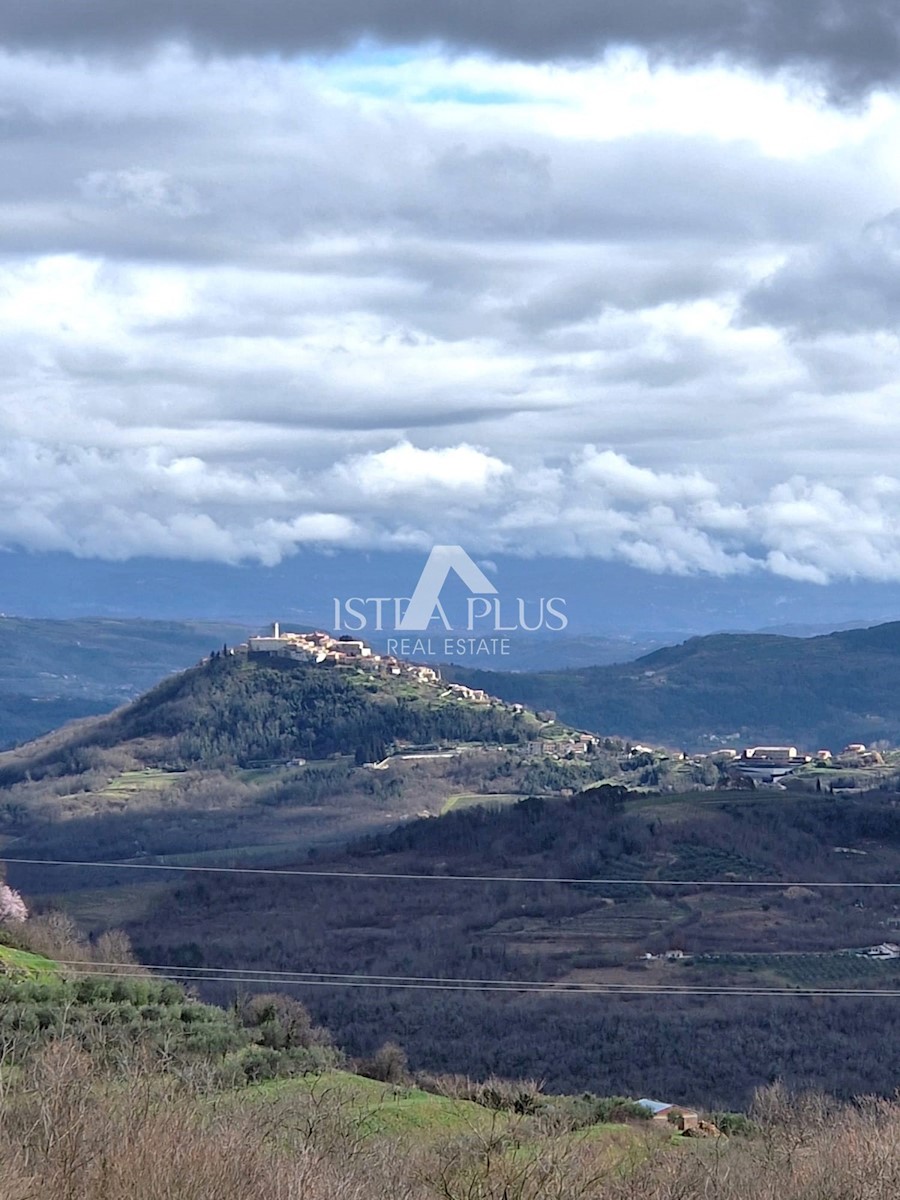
(247, 305)
(855, 44)
(154, 186)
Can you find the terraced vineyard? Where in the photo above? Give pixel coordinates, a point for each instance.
(710, 862)
(810, 970)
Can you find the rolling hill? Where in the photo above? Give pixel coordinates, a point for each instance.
(235, 711)
(728, 689)
(700, 1023)
(263, 758)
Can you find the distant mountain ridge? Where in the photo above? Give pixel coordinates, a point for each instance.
(729, 688)
(717, 689)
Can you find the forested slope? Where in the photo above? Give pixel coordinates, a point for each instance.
(731, 688)
(234, 711)
(510, 927)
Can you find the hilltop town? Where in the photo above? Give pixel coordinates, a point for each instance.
(642, 765)
(289, 746)
(320, 647)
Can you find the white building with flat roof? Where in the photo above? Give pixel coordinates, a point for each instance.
(781, 755)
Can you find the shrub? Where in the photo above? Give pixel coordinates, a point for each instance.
(734, 1124)
(281, 1022)
(388, 1064)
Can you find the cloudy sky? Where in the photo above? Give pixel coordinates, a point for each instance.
(601, 279)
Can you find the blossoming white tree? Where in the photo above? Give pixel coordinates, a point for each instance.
(12, 907)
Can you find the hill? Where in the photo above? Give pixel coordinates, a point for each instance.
(234, 710)
(127, 1087)
(120, 1084)
(557, 653)
(55, 671)
(266, 759)
(728, 689)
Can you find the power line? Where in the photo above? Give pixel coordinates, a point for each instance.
(496, 986)
(409, 876)
(263, 975)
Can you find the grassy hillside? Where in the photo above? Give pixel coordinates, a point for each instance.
(122, 1085)
(54, 671)
(76, 1128)
(378, 1108)
(731, 688)
(21, 963)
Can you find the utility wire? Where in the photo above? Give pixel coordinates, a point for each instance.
(407, 876)
(500, 986)
(263, 975)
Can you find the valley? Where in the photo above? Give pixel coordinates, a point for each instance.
(53, 671)
(315, 824)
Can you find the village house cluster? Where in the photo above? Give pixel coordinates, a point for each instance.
(578, 744)
(884, 952)
(769, 763)
(306, 647)
(320, 647)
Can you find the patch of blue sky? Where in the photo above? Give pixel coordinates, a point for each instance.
(458, 93)
(368, 60)
(426, 76)
(384, 88)
(378, 89)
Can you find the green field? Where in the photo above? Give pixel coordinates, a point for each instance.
(149, 779)
(486, 799)
(20, 961)
(378, 1108)
(386, 1110)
